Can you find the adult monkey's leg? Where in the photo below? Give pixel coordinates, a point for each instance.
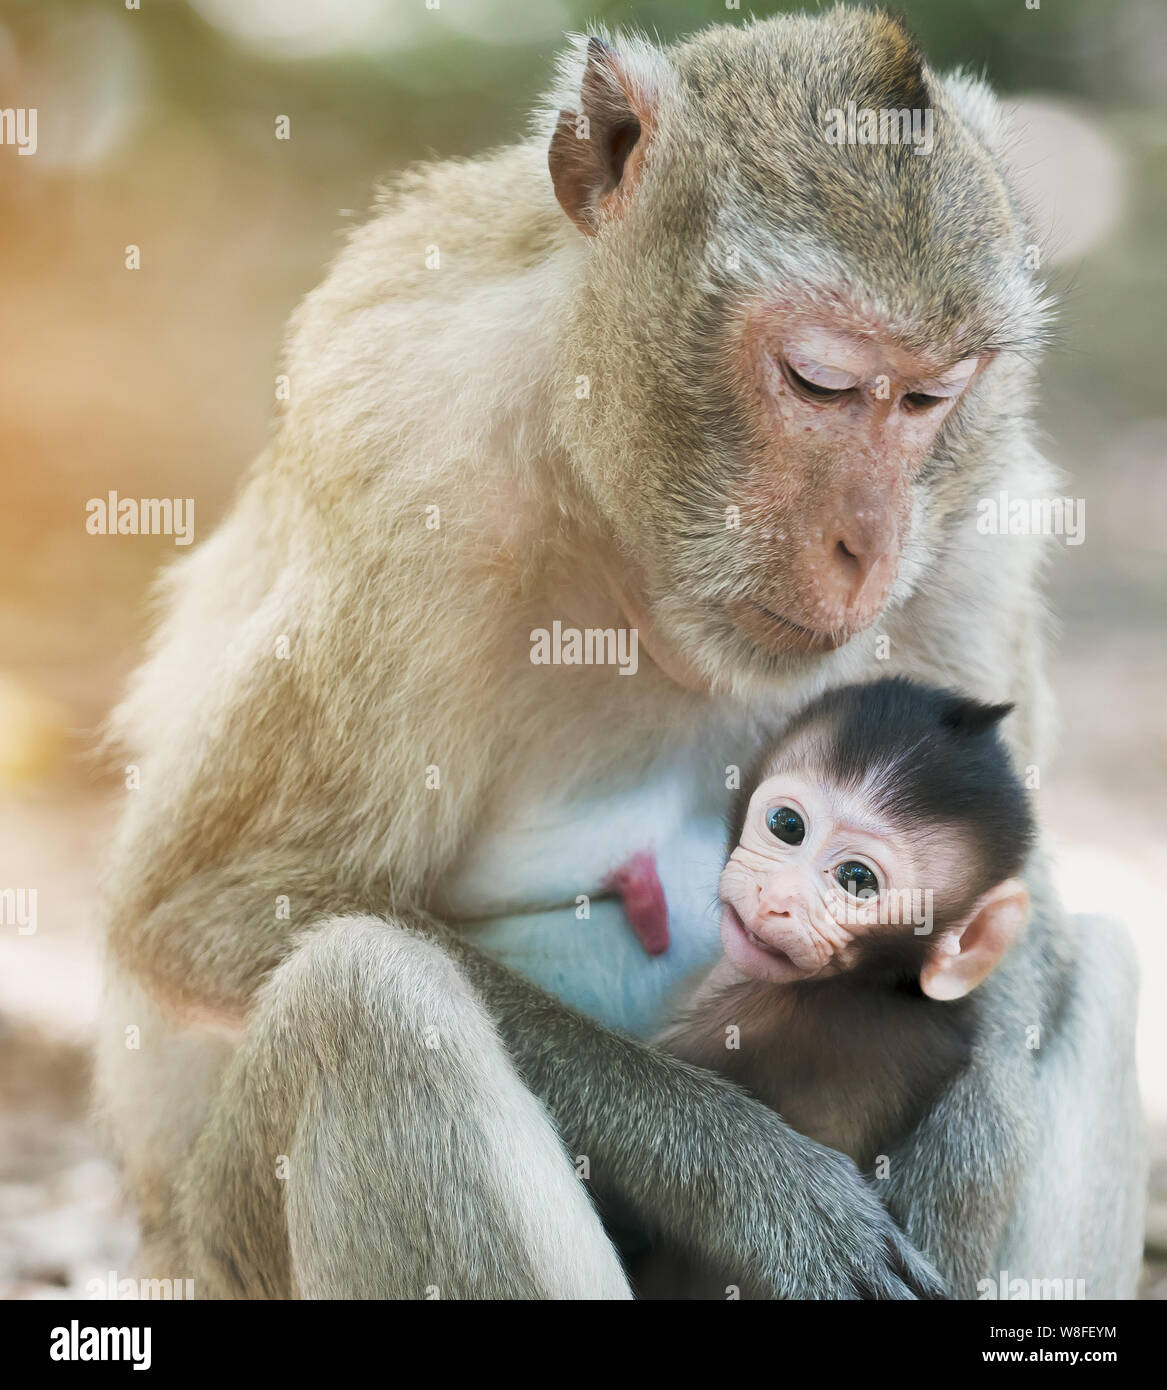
(372, 1139)
(411, 1167)
(1082, 1208)
(1033, 1160)
(698, 1161)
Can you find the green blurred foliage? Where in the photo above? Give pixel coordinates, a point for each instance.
(421, 80)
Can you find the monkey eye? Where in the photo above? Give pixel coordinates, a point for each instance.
(829, 387)
(919, 400)
(942, 388)
(857, 879)
(785, 824)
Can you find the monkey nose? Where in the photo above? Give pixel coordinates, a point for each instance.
(776, 900)
(860, 547)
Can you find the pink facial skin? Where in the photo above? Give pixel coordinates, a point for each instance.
(637, 884)
(785, 917)
(844, 420)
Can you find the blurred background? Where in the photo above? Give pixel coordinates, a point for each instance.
(156, 129)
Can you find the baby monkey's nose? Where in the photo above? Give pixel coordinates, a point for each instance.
(777, 896)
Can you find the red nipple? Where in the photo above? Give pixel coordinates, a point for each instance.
(638, 886)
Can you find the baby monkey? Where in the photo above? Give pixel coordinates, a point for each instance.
(870, 888)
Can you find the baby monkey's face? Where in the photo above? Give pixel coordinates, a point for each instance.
(810, 876)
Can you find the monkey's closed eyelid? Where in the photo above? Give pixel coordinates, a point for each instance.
(808, 390)
(952, 383)
(920, 400)
(821, 374)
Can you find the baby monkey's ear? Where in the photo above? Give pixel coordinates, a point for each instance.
(965, 715)
(973, 950)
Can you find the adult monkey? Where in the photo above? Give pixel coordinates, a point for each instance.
(354, 777)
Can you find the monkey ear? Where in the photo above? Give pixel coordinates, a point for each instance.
(979, 107)
(968, 716)
(597, 150)
(977, 946)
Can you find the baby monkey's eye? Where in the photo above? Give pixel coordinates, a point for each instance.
(785, 824)
(857, 879)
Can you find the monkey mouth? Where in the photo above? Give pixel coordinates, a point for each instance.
(765, 946)
(752, 954)
(778, 634)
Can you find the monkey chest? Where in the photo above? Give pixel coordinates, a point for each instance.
(606, 900)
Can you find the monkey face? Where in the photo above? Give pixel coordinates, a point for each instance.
(793, 347)
(844, 421)
(815, 887)
(782, 533)
(809, 878)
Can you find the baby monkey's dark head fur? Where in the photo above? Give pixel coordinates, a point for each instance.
(925, 760)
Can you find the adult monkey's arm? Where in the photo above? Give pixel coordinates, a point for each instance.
(697, 1159)
(694, 1157)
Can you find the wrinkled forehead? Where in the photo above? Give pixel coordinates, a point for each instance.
(942, 854)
